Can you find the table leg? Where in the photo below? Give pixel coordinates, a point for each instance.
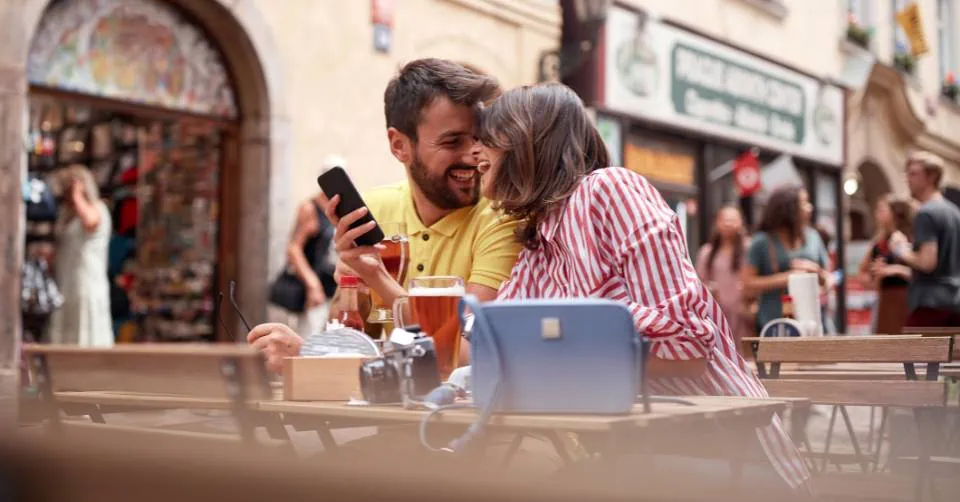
(96, 416)
(513, 448)
(558, 445)
(326, 439)
(826, 446)
(853, 439)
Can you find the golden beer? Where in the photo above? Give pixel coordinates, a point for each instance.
(433, 304)
(436, 312)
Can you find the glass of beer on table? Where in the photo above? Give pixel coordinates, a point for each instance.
(395, 256)
(432, 303)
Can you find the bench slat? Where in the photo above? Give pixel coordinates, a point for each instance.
(873, 349)
(909, 394)
(189, 370)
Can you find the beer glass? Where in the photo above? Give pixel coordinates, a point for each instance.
(395, 256)
(432, 302)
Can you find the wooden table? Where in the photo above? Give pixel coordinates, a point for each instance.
(616, 432)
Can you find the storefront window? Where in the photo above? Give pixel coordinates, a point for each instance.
(671, 165)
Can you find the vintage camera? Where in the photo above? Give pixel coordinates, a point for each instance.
(405, 372)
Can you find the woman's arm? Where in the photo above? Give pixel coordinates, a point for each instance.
(86, 210)
(661, 289)
(864, 272)
(754, 284)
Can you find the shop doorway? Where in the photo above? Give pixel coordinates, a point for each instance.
(160, 179)
(135, 93)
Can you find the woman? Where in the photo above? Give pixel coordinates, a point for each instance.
(784, 245)
(83, 236)
(880, 269)
(590, 230)
(719, 263)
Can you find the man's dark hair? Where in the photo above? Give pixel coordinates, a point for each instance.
(420, 82)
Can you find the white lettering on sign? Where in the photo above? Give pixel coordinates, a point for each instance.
(746, 85)
(714, 110)
(747, 118)
(782, 128)
(701, 70)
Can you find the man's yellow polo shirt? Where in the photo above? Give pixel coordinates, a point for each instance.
(476, 242)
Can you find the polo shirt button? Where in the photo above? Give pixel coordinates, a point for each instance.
(426, 237)
(420, 267)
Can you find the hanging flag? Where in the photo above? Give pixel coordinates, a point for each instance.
(912, 24)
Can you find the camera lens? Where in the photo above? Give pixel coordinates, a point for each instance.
(379, 381)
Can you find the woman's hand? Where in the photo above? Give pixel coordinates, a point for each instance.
(77, 193)
(315, 297)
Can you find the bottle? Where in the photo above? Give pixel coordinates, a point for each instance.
(349, 305)
(786, 302)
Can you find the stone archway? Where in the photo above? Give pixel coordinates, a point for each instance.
(241, 34)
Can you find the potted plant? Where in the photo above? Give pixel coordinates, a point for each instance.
(856, 34)
(904, 62)
(950, 87)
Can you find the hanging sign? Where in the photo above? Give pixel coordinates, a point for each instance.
(909, 19)
(381, 17)
(746, 174)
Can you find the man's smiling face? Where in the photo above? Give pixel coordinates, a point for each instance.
(442, 164)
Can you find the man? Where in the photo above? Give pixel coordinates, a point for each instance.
(430, 116)
(934, 291)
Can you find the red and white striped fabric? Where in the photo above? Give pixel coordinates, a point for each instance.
(616, 238)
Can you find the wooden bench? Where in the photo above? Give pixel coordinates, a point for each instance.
(859, 387)
(93, 381)
(953, 333)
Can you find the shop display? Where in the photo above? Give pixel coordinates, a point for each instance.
(160, 181)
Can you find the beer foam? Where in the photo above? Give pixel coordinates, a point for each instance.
(452, 291)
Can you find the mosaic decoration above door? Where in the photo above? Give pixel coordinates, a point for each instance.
(133, 50)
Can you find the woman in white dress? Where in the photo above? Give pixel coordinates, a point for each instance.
(83, 236)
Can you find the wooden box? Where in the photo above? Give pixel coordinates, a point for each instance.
(322, 378)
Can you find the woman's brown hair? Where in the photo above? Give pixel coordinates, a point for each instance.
(549, 144)
(903, 212)
(783, 213)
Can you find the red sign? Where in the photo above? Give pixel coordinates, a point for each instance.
(381, 12)
(746, 174)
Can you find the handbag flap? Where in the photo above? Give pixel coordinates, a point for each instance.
(556, 356)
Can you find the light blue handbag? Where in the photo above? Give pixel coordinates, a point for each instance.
(554, 356)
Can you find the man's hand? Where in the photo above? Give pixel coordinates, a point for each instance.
(276, 341)
(362, 260)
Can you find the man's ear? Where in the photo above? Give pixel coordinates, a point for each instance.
(401, 146)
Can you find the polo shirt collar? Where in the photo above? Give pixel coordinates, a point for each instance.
(447, 226)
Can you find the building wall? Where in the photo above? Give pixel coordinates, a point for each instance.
(799, 33)
(334, 79)
(934, 120)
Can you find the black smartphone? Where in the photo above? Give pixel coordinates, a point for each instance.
(336, 182)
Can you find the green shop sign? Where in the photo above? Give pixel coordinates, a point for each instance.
(711, 88)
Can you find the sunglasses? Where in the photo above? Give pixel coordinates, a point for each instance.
(236, 308)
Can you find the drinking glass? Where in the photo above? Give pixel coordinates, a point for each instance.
(432, 303)
(395, 256)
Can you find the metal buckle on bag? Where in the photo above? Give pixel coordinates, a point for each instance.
(550, 328)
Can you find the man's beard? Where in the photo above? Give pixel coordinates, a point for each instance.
(437, 189)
